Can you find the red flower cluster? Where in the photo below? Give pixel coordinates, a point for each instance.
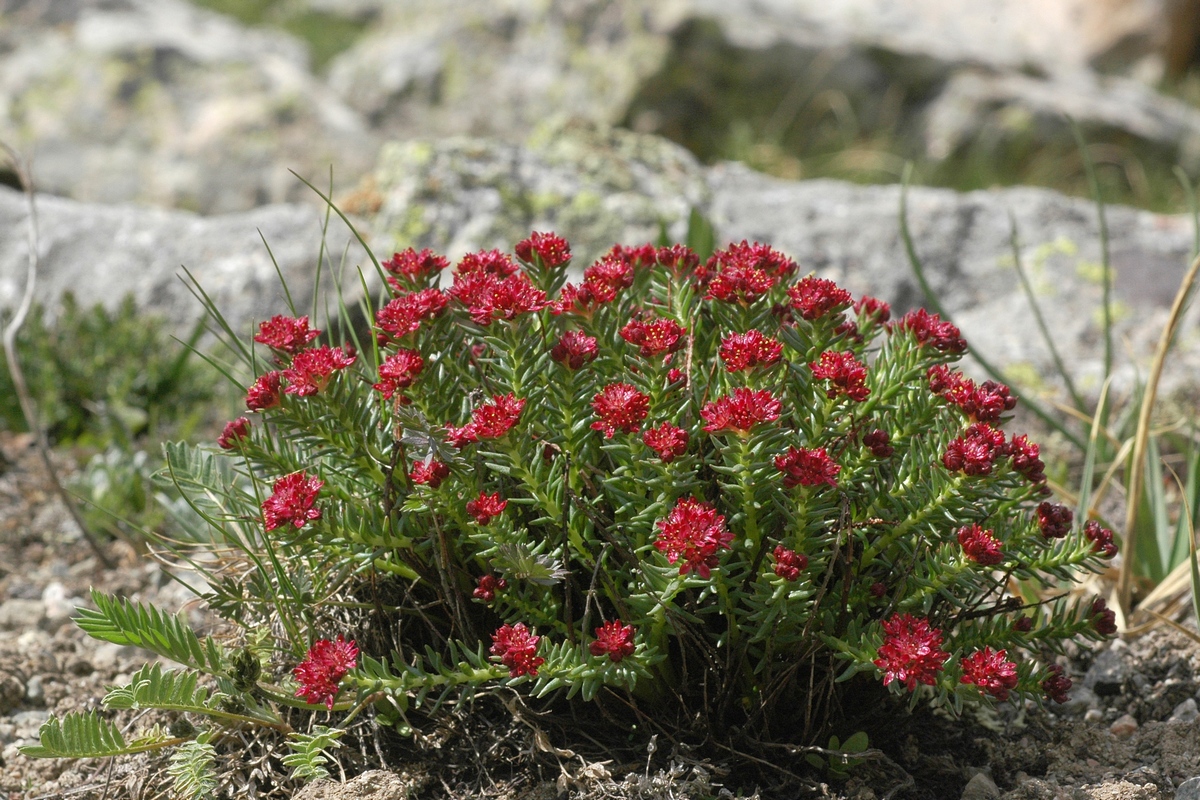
(1056, 685)
(744, 272)
(693, 533)
(980, 545)
(1025, 459)
(638, 256)
(803, 467)
(234, 431)
(489, 421)
(517, 647)
(679, 259)
(574, 348)
(323, 668)
(816, 297)
(1054, 519)
(487, 588)
(742, 351)
(1101, 538)
(975, 451)
(291, 501)
(608, 276)
(264, 392)
(490, 262)
(983, 403)
(404, 313)
(740, 411)
(311, 369)
(666, 440)
(285, 333)
(789, 563)
(879, 443)
(429, 473)
(873, 309)
(489, 297)
(847, 374)
(549, 249)
(620, 407)
(656, 337)
(398, 371)
(486, 506)
(929, 329)
(410, 268)
(911, 652)
(990, 671)
(1103, 617)
(614, 640)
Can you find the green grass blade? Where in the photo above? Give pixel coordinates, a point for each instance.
(1105, 261)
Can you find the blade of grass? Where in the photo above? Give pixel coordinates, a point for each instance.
(1089, 457)
(931, 297)
(1136, 467)
(1105, 263)
(1190, 191)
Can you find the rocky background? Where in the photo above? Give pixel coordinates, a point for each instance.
(164, 134)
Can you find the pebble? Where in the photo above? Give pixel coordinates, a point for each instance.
(1186, 711)
(1188, 790)
(981, 787)
(17, 614)
(8, 732)
(109, 656)
(1093, 715)
(1124, 727)
(59, 606)
(34, 691)
(28, 723)
(1107, 674)
(1080, 700)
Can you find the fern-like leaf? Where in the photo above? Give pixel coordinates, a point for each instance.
(308, 756)
(78, 735)
(122, 622)
(191, 771)
(153, 687)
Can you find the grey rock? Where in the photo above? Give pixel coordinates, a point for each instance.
(373, 785)
(1186, 711)
(1108, 674)
(17, 614)
(1124, 727)
(980, 787)
(102, 253)
(34, 691)
(58, 606)
(109, 656)
(8, 732)
(1080, 702)
(1188, 790)
(27, 723)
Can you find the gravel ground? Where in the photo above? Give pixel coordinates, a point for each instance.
(1131, 730)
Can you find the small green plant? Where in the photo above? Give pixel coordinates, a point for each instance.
(840, 758)
(704, 491)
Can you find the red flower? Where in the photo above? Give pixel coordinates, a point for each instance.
(755, 256)
(990, 671)
(929, 329)
(619, 407)
(877, 589)
(740, 411)
(264, 393)
(291, 501)
(879, 443)
(489, 297)
(679, 259)
(430, 473)
(975, 451)
(1103, 617)
(613, 639)
(979, 545)
(666, 440)
(405, 313)
(742, 351)
(459, 437)
(1102, 538)
(493, 420)
(656, 337)
(1054, 519)
(234, 431)
(490, 262)
(1056, 685)
(1023, 624)
(816, 297)
(1025, 459)
(285, 333)
(803, 467)
(486, 506)
(604, 279)
(693, 533)
(311, 369)
(873, 308)
(636, 256)
(323, 669)
(410, 267)
(488, 585)
(398, 371)
(574, 348)
(847, 375)
(517, 648)
(550, 250)
(789, 563)
(911, 652)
